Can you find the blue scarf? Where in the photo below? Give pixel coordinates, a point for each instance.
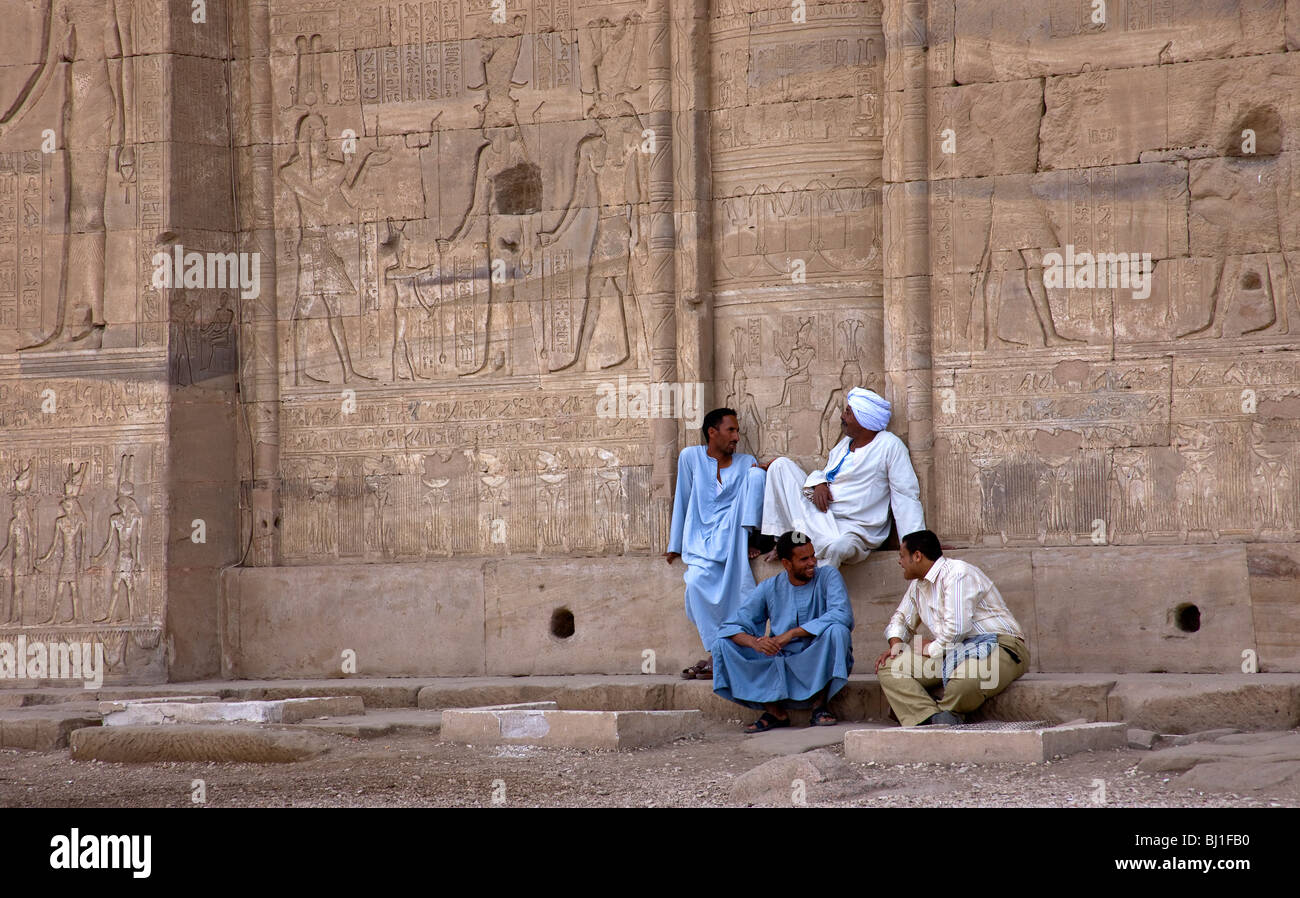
(976, 647)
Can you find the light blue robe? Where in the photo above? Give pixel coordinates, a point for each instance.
(805, 666)
(709, 533)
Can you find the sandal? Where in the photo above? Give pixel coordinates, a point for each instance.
(822, 717)
(767, 722)
(700, 670)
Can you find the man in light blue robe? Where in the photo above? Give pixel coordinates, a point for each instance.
(808, 656)
(719, 500)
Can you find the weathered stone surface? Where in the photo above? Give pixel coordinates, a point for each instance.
(779, 780)
(1148, 629)
(1027, 38)
(40, 729)
(950, 745)
(994, 129)
(1114, 117)
(551, 727)
(229, 743)
(291, 710)
(1054, 698)
(374, 724)
(1142, 739)
(1188, 704)
(1274, 570)
(798, 738)
(1267, 760)
(1166, 740)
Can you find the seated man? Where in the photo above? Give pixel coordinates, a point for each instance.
(808, 656)
(978, 649)
(845, 507)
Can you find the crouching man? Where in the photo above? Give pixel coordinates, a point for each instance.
(808, 655)
(977, 651)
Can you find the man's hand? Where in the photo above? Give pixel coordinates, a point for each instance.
(821, 496)
(670, 557)
(896, 646)
(767, 645)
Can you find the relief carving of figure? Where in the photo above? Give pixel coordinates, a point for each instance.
(323, 189)
(19, 547)
(69, 544)
(125, 536)
(87, 46)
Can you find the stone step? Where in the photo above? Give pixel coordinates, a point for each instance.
(45, 729)
(543, 724)
(1165, 703)
(967, 745)
(374, 724)
(290, 710)
(230, 743)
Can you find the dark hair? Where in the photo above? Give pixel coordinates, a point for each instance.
(786, 542)
(714, 418)
(922, 541)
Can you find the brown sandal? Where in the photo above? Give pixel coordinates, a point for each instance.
(700, 670)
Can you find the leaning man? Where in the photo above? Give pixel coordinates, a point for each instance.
(804, 658)
(978, 649)
(719, 500)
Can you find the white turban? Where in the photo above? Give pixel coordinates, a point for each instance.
(871, 409)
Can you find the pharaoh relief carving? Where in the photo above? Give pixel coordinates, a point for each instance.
(71, 173)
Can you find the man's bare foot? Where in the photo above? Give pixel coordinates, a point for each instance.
(754, 553)
(770, 557)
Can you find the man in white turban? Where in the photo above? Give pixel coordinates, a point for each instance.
(844, 507)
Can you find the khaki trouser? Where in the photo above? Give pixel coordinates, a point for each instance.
(905, 679)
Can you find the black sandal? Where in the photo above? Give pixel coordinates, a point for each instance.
(822, 717)
(767, 722)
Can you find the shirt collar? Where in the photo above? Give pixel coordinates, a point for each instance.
(932, 575)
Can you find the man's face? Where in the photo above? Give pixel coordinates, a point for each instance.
(802, 564)
(849, 422)
(912, 563)
(726, 436)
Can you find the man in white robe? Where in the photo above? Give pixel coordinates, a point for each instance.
(845, 506)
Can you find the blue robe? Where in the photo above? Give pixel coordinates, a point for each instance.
(805, 666)
(709, 533)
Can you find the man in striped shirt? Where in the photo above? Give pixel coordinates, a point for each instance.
(978, 649)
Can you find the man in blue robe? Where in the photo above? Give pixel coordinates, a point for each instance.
(808, 656)
(719, 500)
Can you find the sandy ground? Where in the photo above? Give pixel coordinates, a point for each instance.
(414, 770)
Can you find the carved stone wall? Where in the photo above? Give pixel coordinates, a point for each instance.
(472, 219)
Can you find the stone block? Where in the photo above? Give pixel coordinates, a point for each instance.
(197, 742)
(291, 710)
(1190, 703)
(553, 728)
(1274, 571)
(1189, 612)
(1056, 699)
(560, 615)
(41, 730)
(295, 622)
(964, 745)
(774, 781)
(1028, 38)
(994, 129)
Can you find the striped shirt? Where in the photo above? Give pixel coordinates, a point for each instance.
(955, 601)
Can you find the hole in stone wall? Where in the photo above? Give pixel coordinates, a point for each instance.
(1187, 618)
(562, 623)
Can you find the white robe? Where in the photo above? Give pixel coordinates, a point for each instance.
(873, 480)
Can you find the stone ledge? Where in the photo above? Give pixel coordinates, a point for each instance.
(542, 723)
(193, 742)
(961, 745)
